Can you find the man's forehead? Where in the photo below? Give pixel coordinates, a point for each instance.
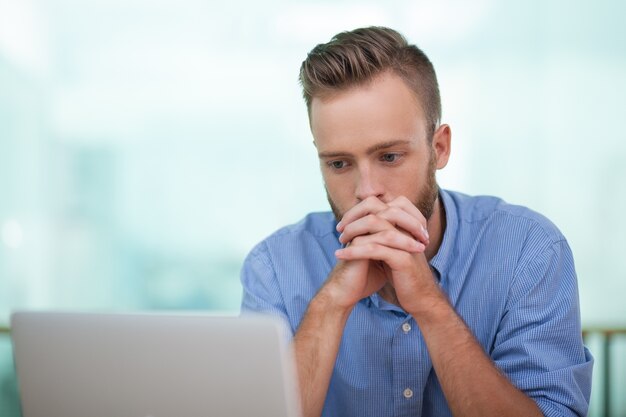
(366, 115)
(387, 97)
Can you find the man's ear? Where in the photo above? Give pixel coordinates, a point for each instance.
(441, 145)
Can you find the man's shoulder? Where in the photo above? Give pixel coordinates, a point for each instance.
(494, 211)
(317, 224)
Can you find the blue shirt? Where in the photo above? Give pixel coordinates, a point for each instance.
(507, 271)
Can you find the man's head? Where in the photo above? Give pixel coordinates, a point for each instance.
(374, 110)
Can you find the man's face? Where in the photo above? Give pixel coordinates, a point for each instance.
(372, 141)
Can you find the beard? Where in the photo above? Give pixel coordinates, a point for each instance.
(425, 200)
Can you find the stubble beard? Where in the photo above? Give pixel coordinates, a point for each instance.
(426, 198)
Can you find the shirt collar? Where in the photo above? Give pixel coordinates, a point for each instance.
(381, 304)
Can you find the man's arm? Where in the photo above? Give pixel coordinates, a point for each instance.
(316, 342)
(316, 345)
(472, 384)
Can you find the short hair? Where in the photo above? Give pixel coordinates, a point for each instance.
(356, 57)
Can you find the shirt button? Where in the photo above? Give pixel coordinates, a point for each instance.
(407, 393)
(406, 327)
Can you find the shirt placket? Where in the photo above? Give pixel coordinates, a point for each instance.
(411, 366)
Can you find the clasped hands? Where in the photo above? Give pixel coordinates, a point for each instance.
(385, 244)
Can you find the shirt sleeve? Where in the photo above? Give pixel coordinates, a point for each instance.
(261, 290)
(539, 342)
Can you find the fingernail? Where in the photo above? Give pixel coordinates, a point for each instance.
(425, 232)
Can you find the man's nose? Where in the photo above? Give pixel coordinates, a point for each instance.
(368, 184)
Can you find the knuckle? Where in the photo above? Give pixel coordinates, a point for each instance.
(370, 247)
(371, 199)
(385, 215)
(370, 220)
(395, 211)
(390, 236)
(402, 200)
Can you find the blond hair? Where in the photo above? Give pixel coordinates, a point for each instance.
(356, 57)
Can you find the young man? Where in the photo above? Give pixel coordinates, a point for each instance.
(410, 300)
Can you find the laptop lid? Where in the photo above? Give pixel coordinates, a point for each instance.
(152, 365)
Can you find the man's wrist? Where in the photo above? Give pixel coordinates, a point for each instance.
(433, 309)
(330, 299)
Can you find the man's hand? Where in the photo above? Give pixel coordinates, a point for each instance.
(385, 244)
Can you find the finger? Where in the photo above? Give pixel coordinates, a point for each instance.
(366, 225)
(395, 259)
(399, 218)
(392, 238)
(370, 205)
(390, 219)
(406, 205)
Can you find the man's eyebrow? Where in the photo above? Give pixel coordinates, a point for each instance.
(386, 145)
(325, 155)
(372, 149)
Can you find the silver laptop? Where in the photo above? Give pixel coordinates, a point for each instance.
(152, 365)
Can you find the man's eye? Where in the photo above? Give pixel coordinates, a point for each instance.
(337, 164)
(390, 157)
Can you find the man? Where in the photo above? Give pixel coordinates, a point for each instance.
(410, 300)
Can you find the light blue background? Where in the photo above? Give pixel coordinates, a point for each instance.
(146, 146)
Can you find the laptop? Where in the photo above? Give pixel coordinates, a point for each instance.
(152, 365)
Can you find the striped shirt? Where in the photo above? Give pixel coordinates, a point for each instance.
(507, 271)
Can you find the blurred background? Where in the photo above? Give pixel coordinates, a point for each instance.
(146, 146)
